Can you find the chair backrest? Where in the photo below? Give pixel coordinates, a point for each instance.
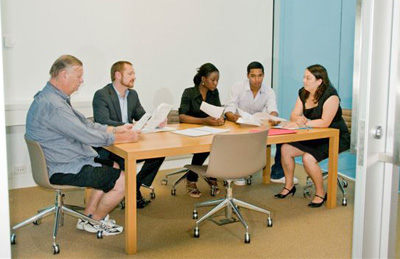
(235, 156)
(173, 117)
(346, 114)
(39, 166)
(38, 163)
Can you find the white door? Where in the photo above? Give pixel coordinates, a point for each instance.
(377, 79)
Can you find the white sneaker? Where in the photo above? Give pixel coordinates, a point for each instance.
(282, 180)
(240, 182)
(81, 223)
(107, 227)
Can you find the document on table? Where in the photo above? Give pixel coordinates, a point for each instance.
(266, 116)
(212, 110)
(159, 115)
(163, 129)
(290, 128)
(201, 131)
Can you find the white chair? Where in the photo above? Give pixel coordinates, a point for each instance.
(232, 156)
(41, 177)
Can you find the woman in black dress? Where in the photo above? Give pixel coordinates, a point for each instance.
(318, 106)
(204, 89)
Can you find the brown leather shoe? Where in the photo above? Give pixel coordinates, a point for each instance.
(191, 189)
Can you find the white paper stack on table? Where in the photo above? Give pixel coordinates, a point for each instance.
(149, 122)
(256, 118)
(201, 131)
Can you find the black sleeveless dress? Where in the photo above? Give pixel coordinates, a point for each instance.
(319, 148)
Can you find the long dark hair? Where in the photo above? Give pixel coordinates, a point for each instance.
(205, 70)
(320, 73)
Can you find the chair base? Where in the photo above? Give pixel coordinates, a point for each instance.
(58, 209)
(231, 206)
(184, 172)
(341, 182)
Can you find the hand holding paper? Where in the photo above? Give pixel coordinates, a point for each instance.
(212, 110)
(247, 118)
(158, 116)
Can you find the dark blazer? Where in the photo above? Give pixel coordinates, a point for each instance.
(106, 109)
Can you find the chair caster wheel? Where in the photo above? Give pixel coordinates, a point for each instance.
(99, 234)
(306, 194)
(37, 222)
(269, 222)
(56, 249)
(195, 214)
(248, 181)
(173, 192)
(152, 195)
(13, 241)
(212, 192)
(164, 182)
(345, 184)
(247, 238)
(196, 233)
(344, 202)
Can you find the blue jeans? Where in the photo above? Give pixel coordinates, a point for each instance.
(276, 169)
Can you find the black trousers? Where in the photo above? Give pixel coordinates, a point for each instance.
(147, 173)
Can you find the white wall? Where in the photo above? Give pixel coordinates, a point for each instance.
(5, 249)
(165, 40)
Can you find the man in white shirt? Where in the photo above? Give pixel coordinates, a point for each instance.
(252, 96)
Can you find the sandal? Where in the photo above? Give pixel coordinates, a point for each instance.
(191, 189)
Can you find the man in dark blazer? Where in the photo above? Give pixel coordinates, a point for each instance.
(117, 104)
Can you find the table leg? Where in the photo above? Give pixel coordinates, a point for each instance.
(130, 206)
(332, 170)
(266, 174)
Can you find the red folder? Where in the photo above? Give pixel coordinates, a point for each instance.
(273, 132)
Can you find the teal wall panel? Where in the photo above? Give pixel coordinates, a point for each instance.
(311, 32)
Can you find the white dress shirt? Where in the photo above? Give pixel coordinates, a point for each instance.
(123, 104)
(241, 97)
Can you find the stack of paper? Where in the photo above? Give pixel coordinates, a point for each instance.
(202, 131)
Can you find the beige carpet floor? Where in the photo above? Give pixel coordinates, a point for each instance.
(165, 227)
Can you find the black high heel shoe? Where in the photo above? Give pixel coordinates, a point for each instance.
(282, 196)
(316, 205)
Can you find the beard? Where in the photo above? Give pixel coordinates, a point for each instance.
(128, 84)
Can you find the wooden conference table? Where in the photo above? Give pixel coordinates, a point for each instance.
(165, 144)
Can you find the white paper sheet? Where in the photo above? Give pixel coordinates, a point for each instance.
(212, 110)
(158, 116)
(140, 124)
(201, 131)
(247, 118)
(266, 116)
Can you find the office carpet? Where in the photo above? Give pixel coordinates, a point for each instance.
(165, 227)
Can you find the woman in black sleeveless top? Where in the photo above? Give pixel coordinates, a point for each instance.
(318, 106)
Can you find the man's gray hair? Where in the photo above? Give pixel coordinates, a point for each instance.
(63, 62)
